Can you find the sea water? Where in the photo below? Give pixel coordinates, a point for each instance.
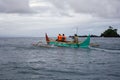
(20, 60)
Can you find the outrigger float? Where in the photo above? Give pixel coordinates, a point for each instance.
(83, 44)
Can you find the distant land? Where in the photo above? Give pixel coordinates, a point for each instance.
(110, 32)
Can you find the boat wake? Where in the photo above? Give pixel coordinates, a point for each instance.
(105, 50)
(43, 45)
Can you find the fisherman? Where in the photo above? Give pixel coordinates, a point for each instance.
(63, 38)
(75, 38)
(59, 38)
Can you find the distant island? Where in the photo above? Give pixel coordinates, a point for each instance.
(85, 36)
(90, 36)
(110, 32)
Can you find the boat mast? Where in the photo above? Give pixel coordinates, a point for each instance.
(76, 30)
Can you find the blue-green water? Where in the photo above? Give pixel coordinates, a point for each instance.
(19, 60)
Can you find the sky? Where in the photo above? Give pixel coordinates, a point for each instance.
(34, 18)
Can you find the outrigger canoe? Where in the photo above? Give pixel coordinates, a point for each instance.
(83, 44)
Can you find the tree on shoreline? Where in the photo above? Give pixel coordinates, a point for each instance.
(110, 32)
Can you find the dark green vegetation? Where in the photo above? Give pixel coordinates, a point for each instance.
(110, 32)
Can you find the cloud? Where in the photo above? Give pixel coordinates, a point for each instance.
(96, 8)
(14, 6)
(99, 8)
(16, 25)
(57, 16)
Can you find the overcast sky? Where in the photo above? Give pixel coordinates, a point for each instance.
(36, 17)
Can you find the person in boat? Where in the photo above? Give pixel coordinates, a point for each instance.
(63, 38)
(59, 38)
(75, 38)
